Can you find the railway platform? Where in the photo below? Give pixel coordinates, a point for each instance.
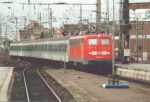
(134, 71)
(86, 87)
(6, 81)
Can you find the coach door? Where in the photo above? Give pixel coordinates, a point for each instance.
(75, 49)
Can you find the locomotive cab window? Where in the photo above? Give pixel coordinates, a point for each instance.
(105, 41)
(92, 41)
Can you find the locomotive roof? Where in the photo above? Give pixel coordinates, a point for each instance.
(62, 38)
(43, 40)
(88, 35)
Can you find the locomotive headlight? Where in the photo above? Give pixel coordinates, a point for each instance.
(104, 52)
(90, 53)
(94, 53)
(108, 53)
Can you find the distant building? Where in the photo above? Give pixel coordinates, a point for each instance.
(24, 34)
(73, 28)
(139, 40)
(142, 27)
(33, 31)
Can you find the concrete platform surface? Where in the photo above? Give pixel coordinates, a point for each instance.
(86, 87)
(6, 74)
(135, 66)
(134, 71)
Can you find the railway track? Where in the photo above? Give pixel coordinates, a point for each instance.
(32, 84)
(37, 89)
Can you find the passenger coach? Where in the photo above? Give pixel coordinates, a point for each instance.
(84, 49)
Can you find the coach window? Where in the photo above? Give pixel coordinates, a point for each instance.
(18, 48)
(56, 47)
(53, 47)
(50, 47)
(105, 41)
(92, 41)
(35, 47)
(45, 47)
(28, 48)
(14, 47)
(59, 47)
(40, 47)
(32, 47)
(24, 47)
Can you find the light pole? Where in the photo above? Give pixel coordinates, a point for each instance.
(16, 20)
(107, 14)
(63, 3)
(113, 45)
(65, 56)
(114, 78)
(98, 15)
(137, 37)
(50, 21)
(81, 27)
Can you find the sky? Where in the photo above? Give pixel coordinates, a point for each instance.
(60, 13)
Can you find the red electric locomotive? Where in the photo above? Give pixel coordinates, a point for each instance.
(84, 50)
(91, 48)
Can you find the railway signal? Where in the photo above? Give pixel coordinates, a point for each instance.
(124, 32)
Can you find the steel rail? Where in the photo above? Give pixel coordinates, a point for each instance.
(49, 86)
(27, 92)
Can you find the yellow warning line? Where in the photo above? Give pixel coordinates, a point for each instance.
(77, 86)
(71, 82)
(81, 89)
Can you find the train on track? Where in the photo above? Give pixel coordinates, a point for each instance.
(83, 49)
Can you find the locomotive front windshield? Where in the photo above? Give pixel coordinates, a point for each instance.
(92, 41)
(105, 41)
